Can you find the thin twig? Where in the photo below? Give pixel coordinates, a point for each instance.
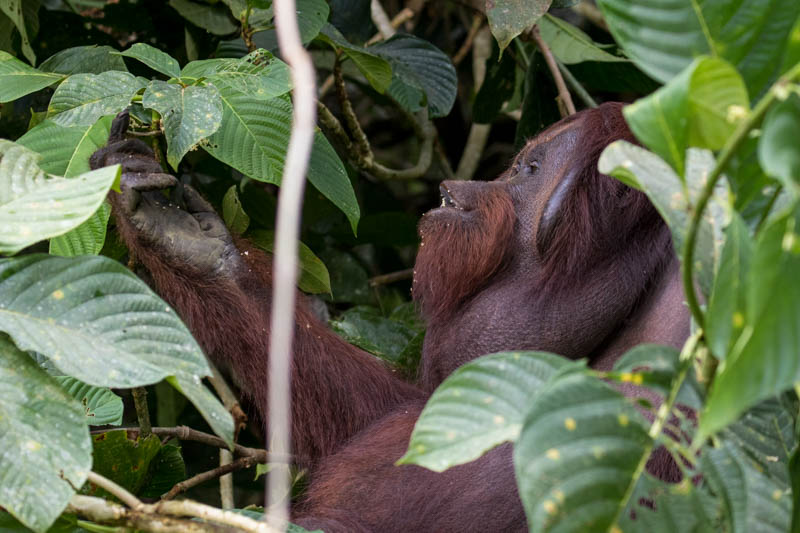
(391, 277)
(142, 411)
(231, 403)
(219, 472)
(381, 19)
(361, 141)
(478, 133)
(226, 498)
(287, 234)
(563, 93)
(115, 490)
(477, 22)
(576, 86)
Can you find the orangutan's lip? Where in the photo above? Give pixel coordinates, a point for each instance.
(447, 199)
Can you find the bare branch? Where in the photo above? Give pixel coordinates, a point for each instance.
(381, 19)
(287, 234)
(220, 471)
(226, 498)
(391, 277)
(112, 488)
(142, 411)
(361, 141)
(563, 93)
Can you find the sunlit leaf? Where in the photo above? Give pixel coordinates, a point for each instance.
(258, 74)
(83, 98)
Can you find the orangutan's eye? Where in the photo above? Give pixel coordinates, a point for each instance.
(530, 168)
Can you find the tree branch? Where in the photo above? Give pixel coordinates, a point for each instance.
(112, 488)
(220, 471)
(142, 411)
(381, 19)
(563, 93)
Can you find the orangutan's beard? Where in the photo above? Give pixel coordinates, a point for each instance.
(460, 251)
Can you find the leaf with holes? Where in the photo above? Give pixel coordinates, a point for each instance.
(101, 406)
(578, 453)
(13, 10)
(480, 406)
(18, 79)
(154, 58)
(258, 74)
(190, 114)
(36, 206)
(417, 65)
(83, 98)
(94, 320)
(509, 18)
(44, 438)
(663, 36)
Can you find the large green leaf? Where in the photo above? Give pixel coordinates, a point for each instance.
(700, 107)
(569, 44)
(376, 69)
(83, 98)
(190, 114)
(658, 507)
(253, 139)
(509, 18)
(215, 19)
(233, 213)
(258, 74)
(44, 438)
(18, 79)
(673, 197)
(86, 239)
(91, 59)
(664, 36)
(778, 151)
(166, 469)
(419, 66)
(479, 406)
(35, 206)
(576, 457)
(763, 361)
(13, 10)
(100, 405)
(154, 58)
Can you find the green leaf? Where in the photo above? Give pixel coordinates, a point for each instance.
(18, 79)
(417, 65)
(83, 98)
(576, 457)
(91, 59)
(663, 36)
(349, 280)
(778, 152)
(509, 18)
(233, 213)
(651, 365)
(35, 206)
(215, 19)
(65, 150)
(314, 277)
(166, 469)
(44, 438)
(647, 172)
(478, 407)
(678, 507)
(763, 361)
(389, 339)
(726, 308)
(13, 10)
(96, 321)
(258, 74)
(498, 87)
(122, 460)
(700, 107)
(253, 139)
(86, 239)
(569, 44)
(154, 58)
(101, 406)
(190, 114)
(376, 69)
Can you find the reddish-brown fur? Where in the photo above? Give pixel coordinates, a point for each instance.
(480, 291)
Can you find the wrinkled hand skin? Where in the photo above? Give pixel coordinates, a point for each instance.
(187, 233)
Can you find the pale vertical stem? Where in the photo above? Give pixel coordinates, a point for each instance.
(226, 481)
(381, 19)
(287, 232)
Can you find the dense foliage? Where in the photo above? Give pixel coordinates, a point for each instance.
(716, 92)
